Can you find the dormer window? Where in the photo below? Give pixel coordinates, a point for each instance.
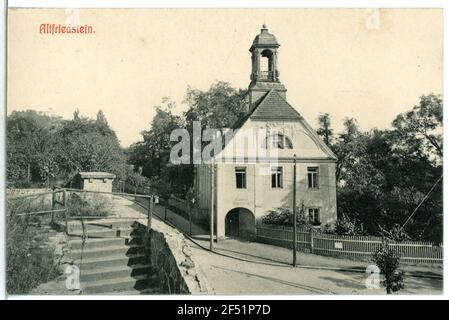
(277, 141)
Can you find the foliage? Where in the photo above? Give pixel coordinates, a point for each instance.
(387, 260)
(43, 149)
(31, 142)
(383, 175)
(324, 129)
(345, 227)
(135, 179)
(419, 131)
(87, 205)
(29, 260)
(218, 107)
(283, 216)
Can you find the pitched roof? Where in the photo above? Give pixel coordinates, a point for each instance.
(274, 107)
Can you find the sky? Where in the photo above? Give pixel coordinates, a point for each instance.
(363, 63)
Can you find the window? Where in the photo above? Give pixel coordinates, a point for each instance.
(240, 177)
(277, 141)
(288, 143)
(276, 177)
(314, 216)
(312, 177)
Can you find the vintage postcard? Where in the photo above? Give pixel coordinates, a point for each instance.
(224, 151)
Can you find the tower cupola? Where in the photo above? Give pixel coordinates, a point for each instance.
(264, 71)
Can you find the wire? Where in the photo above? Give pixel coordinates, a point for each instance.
(422, 201)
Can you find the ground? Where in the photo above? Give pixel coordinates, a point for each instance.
(257, 268)
(230, 276)
(242, 267)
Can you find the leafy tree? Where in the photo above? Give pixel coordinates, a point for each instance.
(420, 130)
(324, 129)
(89, 145)
(383, 175)
(31, 143)
(219, 107)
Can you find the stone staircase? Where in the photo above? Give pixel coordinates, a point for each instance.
(112, 260)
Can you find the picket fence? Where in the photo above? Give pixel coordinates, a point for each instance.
(351, 246)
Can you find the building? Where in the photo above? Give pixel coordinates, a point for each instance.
(255, 176)
(94, 181)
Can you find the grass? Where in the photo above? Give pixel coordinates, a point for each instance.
(30, 261)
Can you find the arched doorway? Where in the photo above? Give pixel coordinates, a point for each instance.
(240, 222)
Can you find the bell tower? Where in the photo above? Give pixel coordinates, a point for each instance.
(264, 73)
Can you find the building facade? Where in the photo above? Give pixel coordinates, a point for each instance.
(253, 172)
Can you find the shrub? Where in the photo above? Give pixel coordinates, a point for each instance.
(283, 216)
(29, 261)
(387, 260)
(88, 205)
(345, 227)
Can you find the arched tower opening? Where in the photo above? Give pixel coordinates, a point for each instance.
(264, 73)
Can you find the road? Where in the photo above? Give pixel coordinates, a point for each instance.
(271, 274)
(231, 276)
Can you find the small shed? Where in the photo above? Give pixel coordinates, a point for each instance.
(95, 181)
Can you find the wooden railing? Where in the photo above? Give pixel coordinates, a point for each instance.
(350, 246)
(64, 208)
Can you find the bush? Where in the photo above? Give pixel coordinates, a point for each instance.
(387, 260)
(29, 261)
(88, 205)
(345, 227)
(283, 216)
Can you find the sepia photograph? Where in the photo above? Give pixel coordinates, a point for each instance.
(223, 151)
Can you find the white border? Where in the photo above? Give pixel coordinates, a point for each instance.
(220, 4)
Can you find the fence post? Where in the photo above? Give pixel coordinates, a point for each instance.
(150, 209)
(53, 205)
(66, 210)
(311, 240)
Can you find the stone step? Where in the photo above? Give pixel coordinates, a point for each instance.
(107, 251)
(91, 243)
(116, 260)
(100, 224)
(119, 284)
(105, 233)
(112, 272)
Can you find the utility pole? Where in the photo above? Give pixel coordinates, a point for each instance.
(212, 200)
(295, 244)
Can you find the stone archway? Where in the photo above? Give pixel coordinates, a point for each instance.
(240, 223)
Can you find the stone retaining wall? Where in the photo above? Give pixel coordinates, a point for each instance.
(173, 261)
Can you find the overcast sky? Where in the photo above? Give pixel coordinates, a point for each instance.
(366, 64)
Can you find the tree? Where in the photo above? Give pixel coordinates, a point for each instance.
(420, 130)
(383, 175)
(219, 107)
(324, 129)
(90, 145)
(31, 143)
(346, 146)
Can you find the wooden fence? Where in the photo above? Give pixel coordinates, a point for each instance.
(351, 246)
